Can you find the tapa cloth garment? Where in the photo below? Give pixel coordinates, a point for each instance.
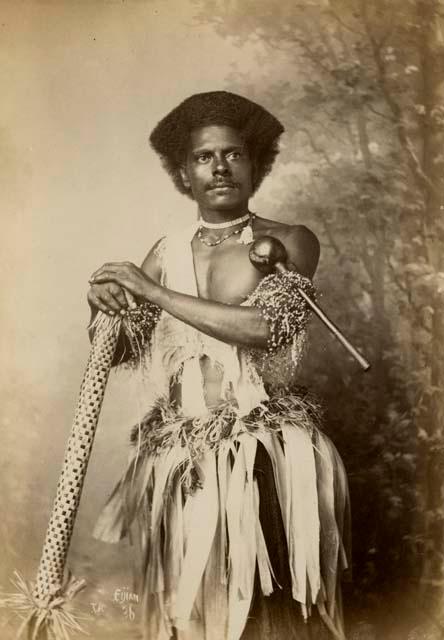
(192, 486)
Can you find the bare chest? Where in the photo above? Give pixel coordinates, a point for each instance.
(224, 273)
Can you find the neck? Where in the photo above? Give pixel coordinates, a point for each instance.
(224, 215)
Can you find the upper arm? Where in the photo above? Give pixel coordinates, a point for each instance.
(152, 265)
(303, 250)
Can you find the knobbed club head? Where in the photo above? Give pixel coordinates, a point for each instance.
(266, 252)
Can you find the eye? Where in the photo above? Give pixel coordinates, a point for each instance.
(234, 155)
(203, 157)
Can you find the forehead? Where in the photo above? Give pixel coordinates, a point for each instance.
(215, 136)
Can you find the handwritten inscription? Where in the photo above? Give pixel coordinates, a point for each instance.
(98, 608)
(124, 598)
(124, 595)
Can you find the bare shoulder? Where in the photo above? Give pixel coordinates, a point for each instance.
(152, 265)
(303, 249)
(302, 245)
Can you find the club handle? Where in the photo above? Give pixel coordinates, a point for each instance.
(279, 266)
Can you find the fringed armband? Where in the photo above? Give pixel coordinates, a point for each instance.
(282, 306)
(139, 324)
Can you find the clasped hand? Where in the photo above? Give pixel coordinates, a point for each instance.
(119, 285)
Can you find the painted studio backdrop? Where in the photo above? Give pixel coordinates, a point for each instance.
(359, 86)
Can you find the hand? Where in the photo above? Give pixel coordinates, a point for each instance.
(128, 276)
(110, 298)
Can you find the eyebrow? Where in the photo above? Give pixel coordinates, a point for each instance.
(234, 147)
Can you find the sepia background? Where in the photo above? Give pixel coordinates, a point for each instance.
(359, 86)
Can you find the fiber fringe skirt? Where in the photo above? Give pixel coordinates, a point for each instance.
(244, 523)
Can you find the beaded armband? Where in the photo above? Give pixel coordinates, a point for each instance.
(138, 325)
(282, 306)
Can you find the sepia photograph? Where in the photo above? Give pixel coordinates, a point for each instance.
(222, 327)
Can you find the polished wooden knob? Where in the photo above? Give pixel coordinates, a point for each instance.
(266, 253)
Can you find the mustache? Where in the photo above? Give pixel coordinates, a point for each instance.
(222, 183)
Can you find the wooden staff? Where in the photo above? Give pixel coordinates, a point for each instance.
(43, 605)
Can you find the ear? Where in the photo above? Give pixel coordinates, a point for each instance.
(184, 176)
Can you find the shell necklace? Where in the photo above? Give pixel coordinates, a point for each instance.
(246, 231)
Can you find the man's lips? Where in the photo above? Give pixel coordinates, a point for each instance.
(222, 185)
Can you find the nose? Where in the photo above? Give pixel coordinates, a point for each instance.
(221, 166)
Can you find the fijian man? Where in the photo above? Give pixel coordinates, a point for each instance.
(239, 497)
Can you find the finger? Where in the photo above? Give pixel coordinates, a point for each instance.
(112, 266)
(118, 278)
(132, 282)
(113, 288)
(130, 299)
(98, 304)
(119, 296)
(106, 287)
(109, 301)
(104, 275)
(108, 266)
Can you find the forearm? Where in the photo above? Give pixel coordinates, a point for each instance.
(230, 323)
(233, 324)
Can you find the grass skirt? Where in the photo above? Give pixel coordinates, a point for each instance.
(243, 522)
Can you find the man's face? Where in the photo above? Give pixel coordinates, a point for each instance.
(218, 169)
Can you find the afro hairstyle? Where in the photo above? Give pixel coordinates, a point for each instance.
(259, 128)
